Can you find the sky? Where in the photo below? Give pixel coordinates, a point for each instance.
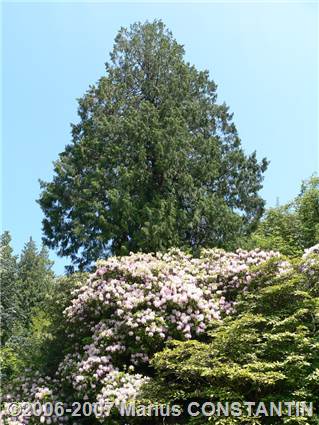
(263, 56)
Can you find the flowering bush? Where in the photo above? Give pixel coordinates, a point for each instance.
(130, 306)
(267, 351)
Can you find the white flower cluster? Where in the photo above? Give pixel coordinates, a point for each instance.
(312, 250)
(119, 387)
(32, 390)
(310, 264)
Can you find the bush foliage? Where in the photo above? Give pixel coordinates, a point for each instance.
(174, 328)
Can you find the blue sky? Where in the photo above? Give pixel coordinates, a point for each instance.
(263, 56)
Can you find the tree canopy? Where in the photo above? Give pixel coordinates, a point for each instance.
(34, 277)
(154, 161)
(10, 310)
(292, 227)
(26, 281)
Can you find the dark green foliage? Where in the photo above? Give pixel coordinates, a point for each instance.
(34, 278)
(307, 206)
(269, 351)
(10, 307)
(25, 284)
(154, 162)
(44, 342)
(293, 227)
(57, 341)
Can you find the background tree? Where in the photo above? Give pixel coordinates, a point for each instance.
(293, 227)
(34, 278)
(154, 162)
(10, 308)
(26, 283)
(307, 207)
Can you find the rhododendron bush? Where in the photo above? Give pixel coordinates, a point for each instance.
(130, 307)
(267, 352)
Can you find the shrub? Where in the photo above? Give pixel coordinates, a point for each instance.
(117, 323)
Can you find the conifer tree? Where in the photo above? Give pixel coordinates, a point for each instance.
(10, 310)
(34, 278)
(155, 161)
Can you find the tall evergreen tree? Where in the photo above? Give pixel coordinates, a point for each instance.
(154, 162)
(25, 284)
(34, 278)
(10, 311)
